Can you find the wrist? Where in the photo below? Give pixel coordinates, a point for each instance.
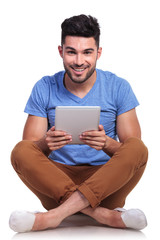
(111, 146)
(42, 144)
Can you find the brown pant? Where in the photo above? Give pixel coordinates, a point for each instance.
(106, 185)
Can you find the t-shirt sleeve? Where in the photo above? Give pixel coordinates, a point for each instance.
(38, 100)
(126, 99)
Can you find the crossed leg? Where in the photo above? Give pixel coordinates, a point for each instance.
(75, 203)
(70, 199)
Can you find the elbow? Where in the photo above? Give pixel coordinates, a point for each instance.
(135, 134)
(30, 138)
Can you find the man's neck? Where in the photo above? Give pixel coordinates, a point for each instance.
(80, 89)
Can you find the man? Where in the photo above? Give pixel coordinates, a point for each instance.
(96, 177)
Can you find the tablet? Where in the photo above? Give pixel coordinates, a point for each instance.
(77, 119)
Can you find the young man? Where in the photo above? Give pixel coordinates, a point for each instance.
(96, 177)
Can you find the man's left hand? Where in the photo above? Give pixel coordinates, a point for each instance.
(95, 138)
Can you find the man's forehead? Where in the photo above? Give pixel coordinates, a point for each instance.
(77, 42)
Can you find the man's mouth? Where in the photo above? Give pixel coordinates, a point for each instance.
(78, 70)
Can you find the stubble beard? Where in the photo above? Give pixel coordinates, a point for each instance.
(76, 79)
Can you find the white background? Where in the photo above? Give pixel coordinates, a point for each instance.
(29, 37)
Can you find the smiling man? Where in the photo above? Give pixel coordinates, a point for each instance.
(80, 62)
(79, 58)
(96, 177)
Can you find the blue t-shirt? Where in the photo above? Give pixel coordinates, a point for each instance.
(113, 94)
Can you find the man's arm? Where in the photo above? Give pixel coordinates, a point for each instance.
(127, 126)
(36, 130)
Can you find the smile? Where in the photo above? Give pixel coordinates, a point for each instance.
(79, 70)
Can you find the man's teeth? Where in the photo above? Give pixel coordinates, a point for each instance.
(79, 70)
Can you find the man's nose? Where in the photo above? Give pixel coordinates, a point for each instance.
(79, 61)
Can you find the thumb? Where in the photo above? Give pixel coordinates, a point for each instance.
(52, 128)
(100, 127)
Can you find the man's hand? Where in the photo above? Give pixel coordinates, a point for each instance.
(57, 139)
(95, 139)
(100, 141)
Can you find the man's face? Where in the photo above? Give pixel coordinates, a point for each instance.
(79, 55)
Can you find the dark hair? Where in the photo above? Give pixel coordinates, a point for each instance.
(82, 26)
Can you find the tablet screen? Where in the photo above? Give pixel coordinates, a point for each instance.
(77, 119)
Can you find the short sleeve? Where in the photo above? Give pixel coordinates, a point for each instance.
(38, 100)
(126, 99)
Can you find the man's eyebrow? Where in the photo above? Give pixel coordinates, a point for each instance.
(85, 50)
(70, 48)
(89, 49)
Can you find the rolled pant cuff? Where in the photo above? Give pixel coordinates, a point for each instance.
(89, 195)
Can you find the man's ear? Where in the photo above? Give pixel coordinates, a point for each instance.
(99, 52)
(60, 49)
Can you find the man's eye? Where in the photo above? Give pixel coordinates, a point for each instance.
(71, 52)
(88, 53)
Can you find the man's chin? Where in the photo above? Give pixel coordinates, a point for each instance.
(78, 81)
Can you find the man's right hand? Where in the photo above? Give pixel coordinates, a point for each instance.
(57, 139)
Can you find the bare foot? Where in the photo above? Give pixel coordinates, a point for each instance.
(46, 220)
(54, 217)
(105, 216)
(113, 218)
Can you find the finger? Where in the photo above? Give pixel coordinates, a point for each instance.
(56, 133)
(53, 132)
(89, 133)
(53, 148)
(56, 148)
(94, 141)
(57, 145)
(91, 138)
(95, 147)
(100, 127)
(58, 139)
(93, 134)
(52, 128)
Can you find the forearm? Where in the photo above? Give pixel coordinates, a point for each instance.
(42, 144)
(53, 140)
(111, 146)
